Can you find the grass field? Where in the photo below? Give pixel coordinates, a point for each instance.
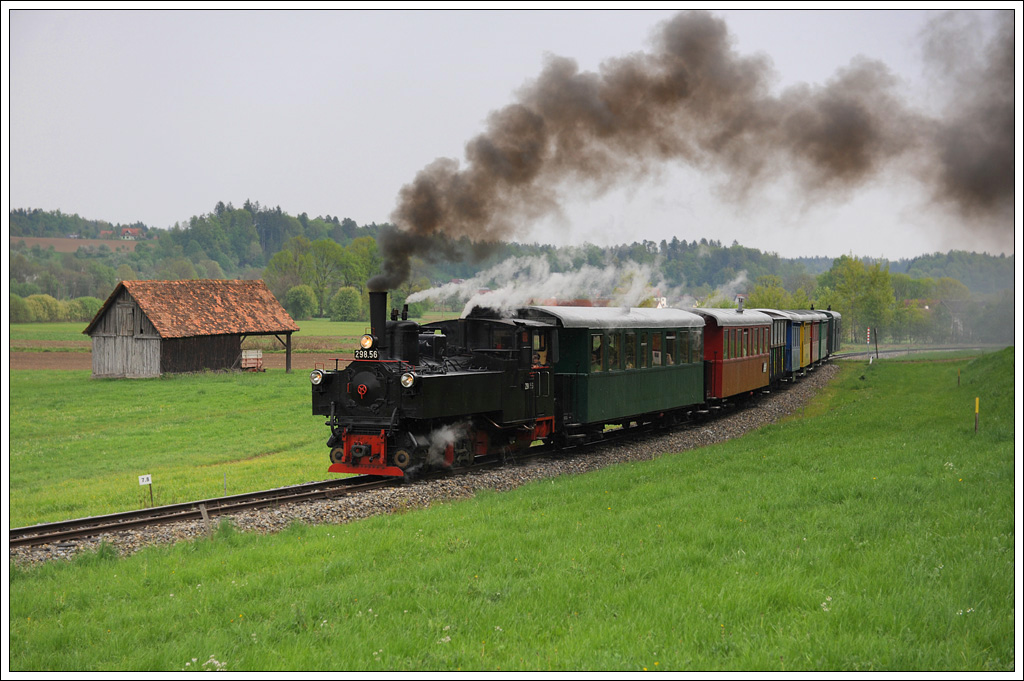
(875, 531)
(314, 335)
(78, 445)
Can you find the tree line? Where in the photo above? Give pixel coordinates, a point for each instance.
(319, 267)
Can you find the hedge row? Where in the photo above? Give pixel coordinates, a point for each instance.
(43, 308)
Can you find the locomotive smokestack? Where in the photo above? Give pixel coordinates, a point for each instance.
(378, 315)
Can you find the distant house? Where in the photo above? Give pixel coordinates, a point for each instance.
(149, 328)
(131, 233)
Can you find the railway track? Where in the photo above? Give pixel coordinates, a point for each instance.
(896, 352)
(69, 530)
(81, 528)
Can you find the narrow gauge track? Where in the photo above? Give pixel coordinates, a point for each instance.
(79, 528)
(895, 352)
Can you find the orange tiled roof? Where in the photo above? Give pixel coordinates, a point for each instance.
(205, 307)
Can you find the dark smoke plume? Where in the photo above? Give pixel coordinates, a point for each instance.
(974, 142)
(693, 99)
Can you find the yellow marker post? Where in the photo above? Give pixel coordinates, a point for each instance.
(977, 402)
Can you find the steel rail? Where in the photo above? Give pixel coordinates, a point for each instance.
(46, 533)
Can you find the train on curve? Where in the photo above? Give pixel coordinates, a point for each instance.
(419, 396)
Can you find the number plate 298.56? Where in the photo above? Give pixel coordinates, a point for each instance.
(366, 354)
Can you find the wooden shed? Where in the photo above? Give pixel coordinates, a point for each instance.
(148, 328)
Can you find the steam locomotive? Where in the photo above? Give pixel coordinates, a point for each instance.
(419, 396)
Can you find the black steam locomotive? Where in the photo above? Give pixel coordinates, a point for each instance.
(437, 394)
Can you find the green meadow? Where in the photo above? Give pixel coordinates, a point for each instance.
(78, 444)
(872, 531)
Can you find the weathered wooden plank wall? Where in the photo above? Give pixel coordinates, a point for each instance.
(199, 352)
(125, 343)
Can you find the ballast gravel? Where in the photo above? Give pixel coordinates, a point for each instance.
(768, 409)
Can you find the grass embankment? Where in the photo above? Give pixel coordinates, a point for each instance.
(874, 532)
(78, 445)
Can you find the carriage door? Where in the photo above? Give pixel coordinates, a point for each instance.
(542, 361)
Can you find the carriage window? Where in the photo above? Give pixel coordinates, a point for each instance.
(656, 349)
(684, 350)
(596, 353)
(643, 350)
(614, 350)
(629, 351)
(671, 351)
(746, 342)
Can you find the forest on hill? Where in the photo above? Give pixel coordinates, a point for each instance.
(319, 267)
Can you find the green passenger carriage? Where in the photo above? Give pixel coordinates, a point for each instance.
(617, 365)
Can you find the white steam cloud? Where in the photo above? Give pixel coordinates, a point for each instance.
(517, 282)
(441, 438)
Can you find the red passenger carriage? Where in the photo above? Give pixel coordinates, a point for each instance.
(737, 347)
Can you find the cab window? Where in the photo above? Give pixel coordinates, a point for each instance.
(541, 354)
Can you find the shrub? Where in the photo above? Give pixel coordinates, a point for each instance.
(20, 310)
(300, 302)
(46, 308)
(346, 305)
(84, 309)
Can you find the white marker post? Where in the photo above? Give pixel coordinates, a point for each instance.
(147, 480)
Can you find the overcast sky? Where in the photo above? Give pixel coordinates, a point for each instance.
(155, 116)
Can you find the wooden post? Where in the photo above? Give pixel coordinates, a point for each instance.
(288, 353)
(206, 517)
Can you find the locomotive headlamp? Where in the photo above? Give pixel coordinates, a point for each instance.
(316, 377)
(366, 342)
(408, 379)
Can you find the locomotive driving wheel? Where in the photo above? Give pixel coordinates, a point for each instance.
(403, 459)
